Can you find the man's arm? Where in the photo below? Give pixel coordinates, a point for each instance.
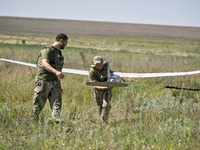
(93, 78)
(101, 87)
(49, 68)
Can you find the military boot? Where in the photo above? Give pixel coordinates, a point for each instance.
(104, 120)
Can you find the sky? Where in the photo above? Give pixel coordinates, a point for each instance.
(158, 12)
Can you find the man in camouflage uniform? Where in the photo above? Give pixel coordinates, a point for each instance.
(98, 73)
(50, 62)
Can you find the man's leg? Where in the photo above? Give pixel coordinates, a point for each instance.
(98, 95)
(106, 106)
(55, 100)
(40, 96)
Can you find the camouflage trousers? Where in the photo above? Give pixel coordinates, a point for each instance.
(103, 98)
(48, 90)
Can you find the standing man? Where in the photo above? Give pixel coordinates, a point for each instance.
(98, 73)
(50, 62)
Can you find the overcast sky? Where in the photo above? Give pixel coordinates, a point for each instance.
(162, 12)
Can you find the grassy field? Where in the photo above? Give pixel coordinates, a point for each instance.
(143, 116)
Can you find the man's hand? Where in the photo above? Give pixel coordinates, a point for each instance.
(60, 75)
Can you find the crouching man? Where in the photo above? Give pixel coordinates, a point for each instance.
(98, 73)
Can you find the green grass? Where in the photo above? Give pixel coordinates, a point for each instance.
(143, 116)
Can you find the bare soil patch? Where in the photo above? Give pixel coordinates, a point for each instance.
(46, 27)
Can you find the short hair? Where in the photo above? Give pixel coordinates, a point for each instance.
(61, 36)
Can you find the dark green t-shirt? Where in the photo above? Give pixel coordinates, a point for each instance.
(99, 75)
(43, 74)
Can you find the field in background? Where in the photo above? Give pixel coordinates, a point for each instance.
(143, 116)
(51, 27)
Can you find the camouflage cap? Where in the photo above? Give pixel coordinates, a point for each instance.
(97, 59)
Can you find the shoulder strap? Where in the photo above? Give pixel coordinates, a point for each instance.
(38, 62)
(50, 47)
